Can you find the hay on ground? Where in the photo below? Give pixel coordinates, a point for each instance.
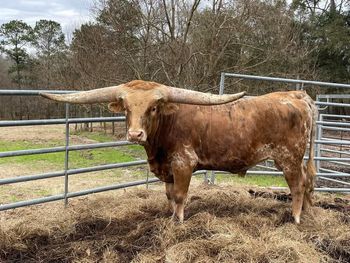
(222, 224)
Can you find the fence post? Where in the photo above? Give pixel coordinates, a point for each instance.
(221, 91)
(212, 178)
(222, 83)
(318, 137)
(297, 86)
(66, 158)
(205, 177)
(147, 177)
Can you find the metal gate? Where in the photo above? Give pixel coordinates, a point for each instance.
(325, 155)
(66, 149)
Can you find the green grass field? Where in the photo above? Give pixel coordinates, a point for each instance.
(253, 180)
(77, 159)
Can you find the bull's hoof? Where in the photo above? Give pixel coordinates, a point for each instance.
(306, 206)
(176, 219)
(297, 220)
(307, 202)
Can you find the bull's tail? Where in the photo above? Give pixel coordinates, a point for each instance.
(310, 166)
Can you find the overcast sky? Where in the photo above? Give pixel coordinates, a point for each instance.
(69, 13)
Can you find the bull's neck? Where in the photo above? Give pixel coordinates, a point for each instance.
(159, 137)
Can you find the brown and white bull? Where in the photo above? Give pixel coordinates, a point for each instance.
(183, 131)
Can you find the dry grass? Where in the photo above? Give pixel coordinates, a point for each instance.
(33, 133)
(222, 224)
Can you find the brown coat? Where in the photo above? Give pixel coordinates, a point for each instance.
(235, 136)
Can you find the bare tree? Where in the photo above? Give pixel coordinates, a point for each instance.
(185, 44)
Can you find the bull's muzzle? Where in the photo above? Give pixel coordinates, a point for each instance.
(138, 136)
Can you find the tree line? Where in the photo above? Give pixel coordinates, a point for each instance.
(185, 43)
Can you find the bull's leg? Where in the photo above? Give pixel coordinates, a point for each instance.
(296, 182)
(307, 195)
(310, 174)
(182, 168)
(182, 178)
(169, 191)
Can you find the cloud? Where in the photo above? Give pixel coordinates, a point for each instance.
(69, 13)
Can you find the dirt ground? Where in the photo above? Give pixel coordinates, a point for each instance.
(222, 224)
(33, 133)
(40, 134)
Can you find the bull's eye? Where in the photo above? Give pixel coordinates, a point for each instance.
(154, 109)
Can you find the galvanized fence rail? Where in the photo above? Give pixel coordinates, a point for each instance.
(325, 122)
(66, 148)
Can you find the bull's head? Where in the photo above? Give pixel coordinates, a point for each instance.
(143, 102)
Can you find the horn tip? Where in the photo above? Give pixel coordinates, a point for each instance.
(240, 94)
(45, 95)
(50, 96)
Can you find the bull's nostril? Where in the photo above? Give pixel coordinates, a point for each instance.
(135, 135)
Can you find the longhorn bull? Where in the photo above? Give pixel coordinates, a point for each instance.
(183, 131)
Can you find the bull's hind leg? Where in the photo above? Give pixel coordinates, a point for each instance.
(295, 178)
(310, 174)
(294, 174)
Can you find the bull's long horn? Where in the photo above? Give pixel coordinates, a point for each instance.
(194, 97)
(101, 95)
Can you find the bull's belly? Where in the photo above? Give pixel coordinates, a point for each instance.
(232, 166)
(233, 170)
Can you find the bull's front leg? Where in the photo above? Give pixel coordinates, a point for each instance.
(182, 168)
(169, 191)
(182, 178)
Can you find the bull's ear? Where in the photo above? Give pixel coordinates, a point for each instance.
(116, 106)
(169, 108)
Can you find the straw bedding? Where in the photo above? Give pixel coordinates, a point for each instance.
(222, 224)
